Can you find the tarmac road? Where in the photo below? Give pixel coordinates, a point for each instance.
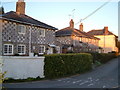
(105, 76)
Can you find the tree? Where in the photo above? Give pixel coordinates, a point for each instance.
(1, 10)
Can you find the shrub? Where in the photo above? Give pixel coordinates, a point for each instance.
(96, 56)
(60, 65)
(107, 57)
(103, 57)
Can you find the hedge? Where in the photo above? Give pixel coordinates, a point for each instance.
(103, 57)
(60, 65)
(107, 57)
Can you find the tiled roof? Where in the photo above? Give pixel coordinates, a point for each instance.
(72, 31)
(22, 18)
(99, 32)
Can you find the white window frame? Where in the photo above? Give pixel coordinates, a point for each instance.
(8, 49)
(43, 34)
(24, 49)
(43, 50)
(23, 30)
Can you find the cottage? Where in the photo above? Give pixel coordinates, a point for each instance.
(21, 34)
(108, 40)
(73, 40)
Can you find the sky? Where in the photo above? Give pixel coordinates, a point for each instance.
(57, 12)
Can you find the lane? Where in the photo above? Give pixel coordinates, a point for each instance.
(105, 76)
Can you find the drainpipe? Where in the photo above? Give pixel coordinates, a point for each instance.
(30, 41)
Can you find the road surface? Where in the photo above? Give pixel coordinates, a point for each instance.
(105, 76)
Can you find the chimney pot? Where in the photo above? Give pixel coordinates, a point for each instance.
(105, 30)
(81, 27)
(71, 23)
(20, 7)
(20, 0)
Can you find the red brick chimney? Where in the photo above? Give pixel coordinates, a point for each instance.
(81, 27)
(105, 30)
(20, 7)
(71, 23)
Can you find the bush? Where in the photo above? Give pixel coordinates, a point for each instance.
(60, 65)
(103, 57)
(96, 56)
(107, 57)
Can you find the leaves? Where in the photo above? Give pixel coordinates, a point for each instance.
(60, 65)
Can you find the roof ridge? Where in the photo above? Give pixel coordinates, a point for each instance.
(23, 18)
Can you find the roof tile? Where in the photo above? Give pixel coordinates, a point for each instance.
(26, 20)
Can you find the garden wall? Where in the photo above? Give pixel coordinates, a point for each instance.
(22, 67)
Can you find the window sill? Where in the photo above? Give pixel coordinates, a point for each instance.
(22, 33)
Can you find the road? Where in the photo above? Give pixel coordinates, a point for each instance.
(104, 76)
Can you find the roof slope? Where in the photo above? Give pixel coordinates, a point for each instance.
(22, 18)
(99, 32)
(72, 31)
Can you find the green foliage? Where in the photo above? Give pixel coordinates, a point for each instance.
(96, 56)
(2, 76)
(107, 57)
(97, 63)
(102, 57)
(60, 65)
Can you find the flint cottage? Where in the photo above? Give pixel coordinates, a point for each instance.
(21, 34)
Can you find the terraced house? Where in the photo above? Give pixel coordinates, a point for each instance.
(76, 40)
(22, 34)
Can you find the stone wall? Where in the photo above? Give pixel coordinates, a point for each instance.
(0, 37)
(11, 36)
(64, 40)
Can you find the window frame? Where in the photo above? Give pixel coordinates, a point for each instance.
(19, 29)
(43, 50)
(43, 34)
(21, 49)
(8, 49)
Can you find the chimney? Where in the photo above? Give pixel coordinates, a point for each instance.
(81, 27)
(71, 24)
(106, 30)
(20, 7)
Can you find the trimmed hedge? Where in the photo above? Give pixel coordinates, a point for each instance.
(60, 65)
(107, 57)
(103, 57)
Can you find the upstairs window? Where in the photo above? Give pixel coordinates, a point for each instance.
(42, 32)
(21, 49)
(41, 49)
(21, 29)
(8, 49)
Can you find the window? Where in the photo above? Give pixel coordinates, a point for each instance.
(42, 32)
(80, 38)
(8, 49)
(21, 29)
(41, 49)
(21, 49)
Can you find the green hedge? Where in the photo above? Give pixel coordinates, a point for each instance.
(60, 65)
(107, 57)
(103, 57)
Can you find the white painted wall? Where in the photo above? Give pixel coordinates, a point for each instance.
(23, 67)
(107, 42)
